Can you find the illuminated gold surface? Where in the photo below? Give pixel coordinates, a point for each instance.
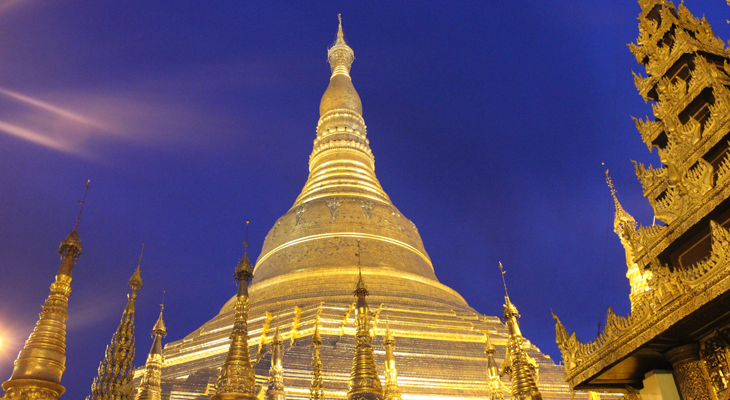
(40, 364)
(306, 270)
(149, 387)
(116, 370)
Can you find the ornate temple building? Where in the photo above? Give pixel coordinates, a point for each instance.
(676, 338)
(304, 278)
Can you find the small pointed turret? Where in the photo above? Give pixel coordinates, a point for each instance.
(624, 225)
(316, 390)
(116, 370)
(391, 374)
(364, 381)
(517, 362)
(149, 386)
(236, 380)
(40, 364)
(275, 388)
(495, 382)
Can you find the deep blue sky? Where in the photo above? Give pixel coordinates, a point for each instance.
(489, 122)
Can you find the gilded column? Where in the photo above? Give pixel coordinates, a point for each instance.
(116, 371)
(236, 380)
(275, 389)
(316, 390)
(364, 381)
(40, 364)
(692, 378)
(495, 382)
(391, 374)
(149, 386)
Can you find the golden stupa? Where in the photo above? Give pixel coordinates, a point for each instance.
(308, 268)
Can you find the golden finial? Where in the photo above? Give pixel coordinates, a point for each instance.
(81, 210)
(360, 289)
(391, 392)
(149, 387)
(135, 282)
(237, 379)
(316, 388)
(622, 218)
(340, 55)
(364, 380)
(501, 269)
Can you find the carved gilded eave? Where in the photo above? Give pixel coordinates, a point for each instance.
(673, 295)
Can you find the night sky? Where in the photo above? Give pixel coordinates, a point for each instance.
(489, 122)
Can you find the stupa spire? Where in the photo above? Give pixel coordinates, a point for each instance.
(495, 382)
(149, 386)
(364, 381)
(392, 392)
(341, 163)
(316, 390)
(517, 363)
(236, 380)
(116, 371)
(275, 388)
(40, 364)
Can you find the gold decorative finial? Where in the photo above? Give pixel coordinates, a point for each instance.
(116, 370)
(501, 269)
(40, 364)
(517, 363)
(624, 225)
(81, 210)
(316, 389)
(495, 382)
(149, 386)
(392, 392)
(236, 379)
(364, 380)
(361, 290)
(275, 387)
(245, 243)
(135, 282)
(340, 55)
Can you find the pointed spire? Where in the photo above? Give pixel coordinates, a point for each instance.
(40, 364)
(149, 386)
(364, 380)
(341, 162)
(625, 225)
(116, 370)
(495, 382)
(622, 219)
(517, 362)
(392, 392)
(275, 388)
(340, 55)
(236, 379)
(316, 389)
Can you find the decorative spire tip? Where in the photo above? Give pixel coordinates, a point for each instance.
(81, 210)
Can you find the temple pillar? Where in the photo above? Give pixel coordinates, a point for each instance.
(692, 378)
